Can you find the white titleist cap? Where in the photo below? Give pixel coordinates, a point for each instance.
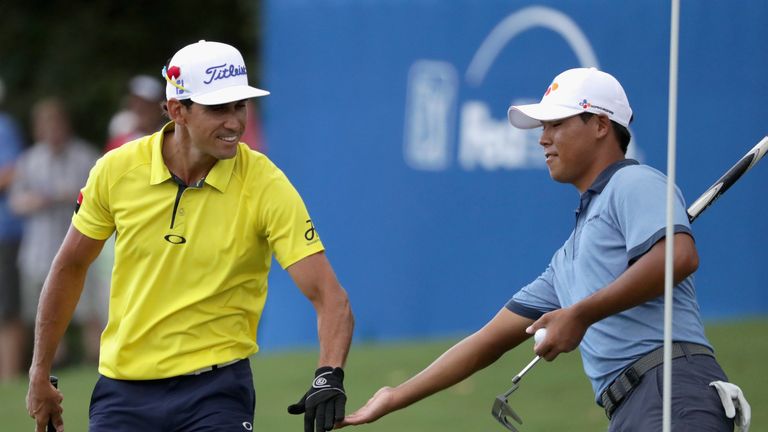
(573, 92)
(209, 73)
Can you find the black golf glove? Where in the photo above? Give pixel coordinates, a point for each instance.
(323, 404)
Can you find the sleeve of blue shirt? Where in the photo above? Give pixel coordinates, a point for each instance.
(536, 298)
(640, 209)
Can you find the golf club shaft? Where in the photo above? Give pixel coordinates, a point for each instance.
(519, 376)
(744, 164)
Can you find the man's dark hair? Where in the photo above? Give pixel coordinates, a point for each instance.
(186, 102)
(620, 132)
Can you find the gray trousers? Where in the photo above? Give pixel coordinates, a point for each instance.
(696, 407)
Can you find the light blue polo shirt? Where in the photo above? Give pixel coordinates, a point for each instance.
(620, 217)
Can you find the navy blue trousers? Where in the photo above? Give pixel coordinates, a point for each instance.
(696, 407)
(221, 399)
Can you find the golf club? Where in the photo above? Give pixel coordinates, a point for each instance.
(501, 410)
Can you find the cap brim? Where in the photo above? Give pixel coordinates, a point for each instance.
(530, 116)
(229, 94)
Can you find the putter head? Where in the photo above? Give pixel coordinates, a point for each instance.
(504, 413)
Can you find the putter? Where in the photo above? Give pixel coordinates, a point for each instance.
(501, 410)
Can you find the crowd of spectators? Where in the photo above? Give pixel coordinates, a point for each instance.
(39, 186)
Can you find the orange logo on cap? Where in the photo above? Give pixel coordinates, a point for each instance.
(551, 88)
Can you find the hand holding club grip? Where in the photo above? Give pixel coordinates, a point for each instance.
(54, 383)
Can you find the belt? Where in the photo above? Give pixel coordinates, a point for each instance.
(212, 367)
(615, 393)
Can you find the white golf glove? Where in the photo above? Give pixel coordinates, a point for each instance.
(735, 404)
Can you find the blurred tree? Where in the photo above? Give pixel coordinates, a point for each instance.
(85, 51)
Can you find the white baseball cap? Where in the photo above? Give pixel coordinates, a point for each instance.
(209, 73)
(573, 92)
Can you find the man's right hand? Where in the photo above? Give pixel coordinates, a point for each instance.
(379, 405)
(44, 403)
(565, 330)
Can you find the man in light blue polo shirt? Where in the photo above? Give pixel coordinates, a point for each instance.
(602, 291)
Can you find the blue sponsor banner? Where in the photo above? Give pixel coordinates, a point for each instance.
(390, 119)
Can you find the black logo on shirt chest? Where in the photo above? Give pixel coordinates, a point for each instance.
(175, 239)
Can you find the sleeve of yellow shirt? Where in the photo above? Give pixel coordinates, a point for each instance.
(289, 229)
(92, 216)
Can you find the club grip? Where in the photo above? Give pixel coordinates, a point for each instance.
(55, 383)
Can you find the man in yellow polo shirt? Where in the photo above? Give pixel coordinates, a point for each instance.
(197, 216)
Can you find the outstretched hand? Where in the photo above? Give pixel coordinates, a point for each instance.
(565, 330)
(377, 406)
(323, 404)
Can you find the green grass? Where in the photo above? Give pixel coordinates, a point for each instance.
(553, 396)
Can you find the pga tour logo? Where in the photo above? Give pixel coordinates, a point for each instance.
(435, 118)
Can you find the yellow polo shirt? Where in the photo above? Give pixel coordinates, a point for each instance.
(190, 276)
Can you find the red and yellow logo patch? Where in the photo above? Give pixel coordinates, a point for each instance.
(79, 201)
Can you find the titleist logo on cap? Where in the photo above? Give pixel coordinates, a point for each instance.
(223, 71)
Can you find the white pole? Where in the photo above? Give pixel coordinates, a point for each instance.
(674, 38)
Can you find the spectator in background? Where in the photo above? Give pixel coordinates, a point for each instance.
(143, 114)
(44, 191)
(11, 330)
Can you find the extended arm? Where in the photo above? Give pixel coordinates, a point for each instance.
(641, 282)
(323, 404)
(58, 299)
(316, 279)
(504, 332)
